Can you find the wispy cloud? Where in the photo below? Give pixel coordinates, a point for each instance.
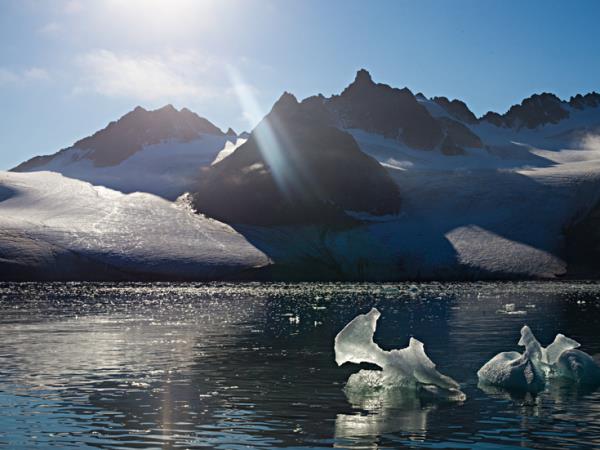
(167, 76)
(16, 77)
(36, 73)
(7, 77)
(51, 28)
(73, 7)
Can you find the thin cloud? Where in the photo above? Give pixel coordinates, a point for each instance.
(73, 7)
(50, 28)
(169, 76)
(14, 77)
(36, 73)
(7, 77)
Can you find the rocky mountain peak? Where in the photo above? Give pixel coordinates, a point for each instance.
(169, 108)
(534, 111)
(379, 108)
(363, 77)
(457, 109)
(287, 101)
(307, 172)
(136, 129)
(590, 100)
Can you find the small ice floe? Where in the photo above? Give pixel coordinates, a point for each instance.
(409, 368)
(295, 320)
(530, 371)
(511, 309)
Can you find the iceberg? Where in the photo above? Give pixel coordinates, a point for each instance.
(408, 368)
(530, 371)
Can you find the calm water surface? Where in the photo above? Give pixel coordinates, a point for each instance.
(251, 365)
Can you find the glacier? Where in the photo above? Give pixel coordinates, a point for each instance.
(407, 369)
(531, 370)
(499, 211)
(58, 228)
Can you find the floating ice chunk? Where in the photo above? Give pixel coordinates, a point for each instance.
(577, 366)
(531, 370)
(355, 342)
(512, 370)
(561, 344)
(533, 349)
(409, 367)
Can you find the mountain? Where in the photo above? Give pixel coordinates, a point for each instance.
(456, 108)
(539, 109)
(480, 197)
(374, 183)
(396, 114)
(158, 151)
(296, 168)
(384, 110)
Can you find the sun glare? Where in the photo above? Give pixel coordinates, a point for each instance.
(162, 15)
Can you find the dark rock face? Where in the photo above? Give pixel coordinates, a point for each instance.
(460, 134)
(591, 100)
(539, 109)
(457, 109)
(494, 118)
(396, 114)
(379, 108)
(583, 245)
(121, 139)
(296, 168)
(449, 147)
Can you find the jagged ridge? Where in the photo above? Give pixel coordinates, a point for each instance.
(296, 168)
(126, 136)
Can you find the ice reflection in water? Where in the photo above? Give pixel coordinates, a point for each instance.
(221, 366)
(385, 412)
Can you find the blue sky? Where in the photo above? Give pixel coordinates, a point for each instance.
(68, 67)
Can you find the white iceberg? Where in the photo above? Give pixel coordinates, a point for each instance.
(408, 368)
(531, 370)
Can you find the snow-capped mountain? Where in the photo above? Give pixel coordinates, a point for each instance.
(160, 152)
(295, 168)
(479, 197)
(374, 183)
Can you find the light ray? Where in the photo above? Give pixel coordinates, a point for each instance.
(267, 140)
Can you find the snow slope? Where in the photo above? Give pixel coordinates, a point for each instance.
(167, 169)
(53, 227)
(498, 210)
(495, 212)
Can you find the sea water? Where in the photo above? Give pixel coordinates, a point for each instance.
(159, 365)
